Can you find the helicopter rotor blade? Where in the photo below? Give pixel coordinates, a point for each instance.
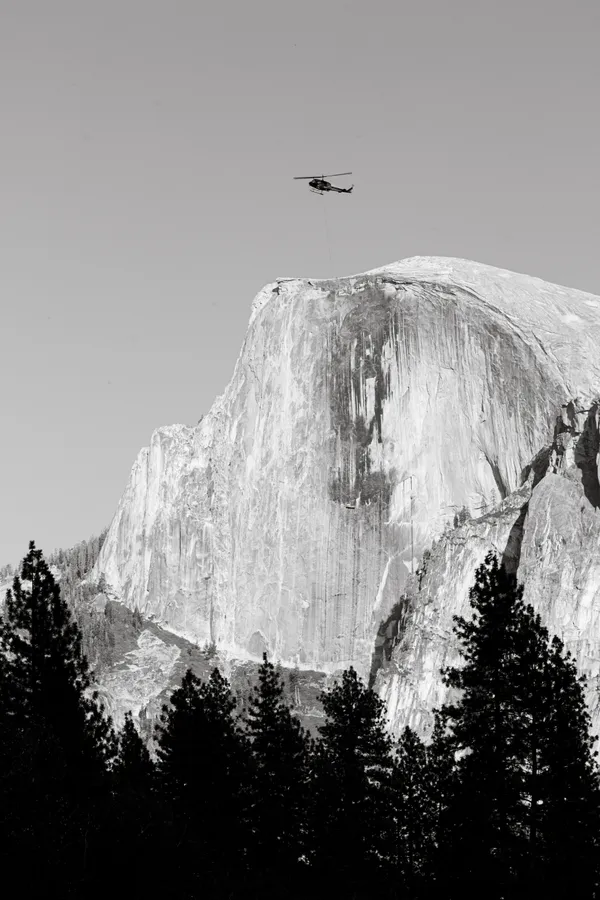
(333, 175)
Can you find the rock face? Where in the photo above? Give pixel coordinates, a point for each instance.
(549, 533)
(363, 415)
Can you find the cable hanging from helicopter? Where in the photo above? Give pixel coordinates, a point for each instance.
(318, 183)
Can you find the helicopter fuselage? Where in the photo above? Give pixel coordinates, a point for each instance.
(320, 185)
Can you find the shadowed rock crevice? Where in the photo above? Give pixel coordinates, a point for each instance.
(511, 556)
(502, 489)
(576, 445)
(389, 633)
(538, 465)
(586, 456)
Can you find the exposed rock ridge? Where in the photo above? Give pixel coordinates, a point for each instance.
(549, 533)
(362, 414)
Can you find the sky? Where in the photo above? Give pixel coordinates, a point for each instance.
(147, 156)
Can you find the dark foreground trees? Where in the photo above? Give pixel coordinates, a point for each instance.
(203, 771)
(415, 810)
(502, 802)
(136, 836)
(524, 816)
(353, 816)
(45, 674)
(279, 788)
(57, 744)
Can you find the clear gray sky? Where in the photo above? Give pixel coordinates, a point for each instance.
(146, 160)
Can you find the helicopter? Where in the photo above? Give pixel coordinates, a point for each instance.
(318, 185)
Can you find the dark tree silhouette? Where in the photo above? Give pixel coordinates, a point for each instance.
(561, 782)
(520, 733)
(443, 805)
(57, 743)
(48, 675)
(133, 765)
(203, 772)
(502, 803)
(279, 785)
(414, 800)
(353, 819)
(136, 836)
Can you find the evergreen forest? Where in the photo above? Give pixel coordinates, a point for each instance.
(239, 800)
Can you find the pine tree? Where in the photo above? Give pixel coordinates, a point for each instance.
(414, 810)
(202, 769)
(279, 782)
(133, 765)
(57, 744)
(485, 731)
(353, 814)
(520, 735)
(443, 805)
(564, 837)
(135, 827)
(47, 675)
(38, 823)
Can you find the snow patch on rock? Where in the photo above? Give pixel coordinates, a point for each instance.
(143, 674)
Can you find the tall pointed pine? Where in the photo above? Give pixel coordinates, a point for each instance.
(56, 743)
(133, 766)
(202, 769)
(520, 735)
(414, 811)
(45, 676)
(279, 780)
(136, 831)
(354, 820)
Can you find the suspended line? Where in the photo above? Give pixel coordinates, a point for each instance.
(327, 231)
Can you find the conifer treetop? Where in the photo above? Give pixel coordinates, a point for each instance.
(47, 674)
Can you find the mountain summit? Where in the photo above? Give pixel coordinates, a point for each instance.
(380, 434)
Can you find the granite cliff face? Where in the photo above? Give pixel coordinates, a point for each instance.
(363, 414)
(549, 533)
